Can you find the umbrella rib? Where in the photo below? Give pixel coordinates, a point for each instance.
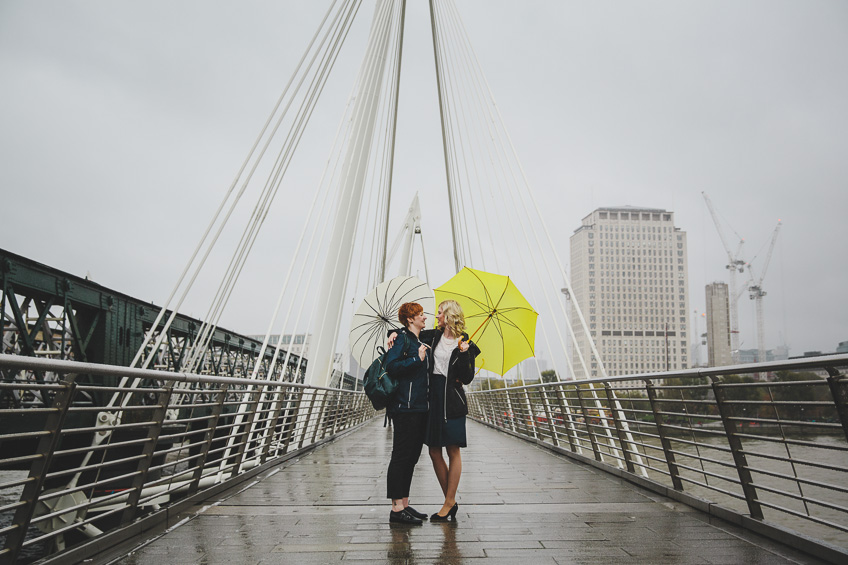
(371, 335)
(376, 311)
(506, 286)
(369, 325)
(485, 289)
(514, 308)
(497, 328)
(477, 302)
(393, 300)
(395, 304)
(370, 328)
(512, 324)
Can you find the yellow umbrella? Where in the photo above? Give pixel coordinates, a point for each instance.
(503, 322)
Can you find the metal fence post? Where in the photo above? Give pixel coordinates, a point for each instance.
(149, 448)
(214, 418)
(745, 479)
(499, 405)
(337, 413)
(319, 422)
(659, 421)
(248, 425)
(839, 389)
(510, 413)
(308, 417)
(567, 416)
(290, 420)
(548, 414)
(619, 429)
(38, 470)
(531, 420)
(592, 439)
(350, 411)
(271, 432)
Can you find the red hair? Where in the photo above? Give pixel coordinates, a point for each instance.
(408, 310)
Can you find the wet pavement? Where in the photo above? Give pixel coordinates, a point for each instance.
(518, 503)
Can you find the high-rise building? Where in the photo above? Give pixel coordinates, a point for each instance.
(629, 273)
(718, 325)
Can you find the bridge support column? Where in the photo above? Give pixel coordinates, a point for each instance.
(353, 176)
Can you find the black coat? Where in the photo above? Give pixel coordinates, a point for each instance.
(460, 372)
(403, 364)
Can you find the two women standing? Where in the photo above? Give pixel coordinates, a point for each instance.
(437, 362)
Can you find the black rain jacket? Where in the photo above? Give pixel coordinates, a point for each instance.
(412, 374)
(460, 372)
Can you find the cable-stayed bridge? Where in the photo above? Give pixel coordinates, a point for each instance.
(119, 416)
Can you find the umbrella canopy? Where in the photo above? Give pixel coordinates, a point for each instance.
(378, 312)
(502, 321)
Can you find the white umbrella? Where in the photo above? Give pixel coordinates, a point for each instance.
(378, 312)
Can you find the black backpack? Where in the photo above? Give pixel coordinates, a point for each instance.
(379, 385)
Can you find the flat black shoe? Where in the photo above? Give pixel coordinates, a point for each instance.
(416, 513)
(403, 517)
(451, 514)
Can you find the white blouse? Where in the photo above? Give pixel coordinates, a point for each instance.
(442, 355)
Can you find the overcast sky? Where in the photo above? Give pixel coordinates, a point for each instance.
(123, 123)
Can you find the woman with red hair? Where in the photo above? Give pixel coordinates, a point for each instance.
(450, 365)
(407, 362)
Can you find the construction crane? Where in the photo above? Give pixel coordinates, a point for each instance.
(756, 293)
(734, 265)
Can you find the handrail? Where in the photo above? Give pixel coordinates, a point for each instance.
(70, 472)
(681, 432)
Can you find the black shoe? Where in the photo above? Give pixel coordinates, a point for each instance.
(451, 514)
(403, 517)
(416, 513)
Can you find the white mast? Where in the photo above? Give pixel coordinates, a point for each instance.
(355, 167)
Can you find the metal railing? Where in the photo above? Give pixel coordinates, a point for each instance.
(75, 470)
(772, 450)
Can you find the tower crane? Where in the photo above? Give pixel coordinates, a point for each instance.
(734, 265)
(756, 293)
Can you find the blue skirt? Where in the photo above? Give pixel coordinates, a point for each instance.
(442, 432)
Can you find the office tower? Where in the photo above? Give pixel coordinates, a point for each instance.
(629, 274)
(718, 325)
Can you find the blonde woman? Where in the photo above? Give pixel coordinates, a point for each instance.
(451, 365)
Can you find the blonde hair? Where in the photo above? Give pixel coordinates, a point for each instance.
(454, 318)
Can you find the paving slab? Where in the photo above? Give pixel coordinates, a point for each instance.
(518, 503)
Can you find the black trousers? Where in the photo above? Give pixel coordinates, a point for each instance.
(408, 429)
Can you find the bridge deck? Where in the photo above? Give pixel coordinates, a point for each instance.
(518, 503)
